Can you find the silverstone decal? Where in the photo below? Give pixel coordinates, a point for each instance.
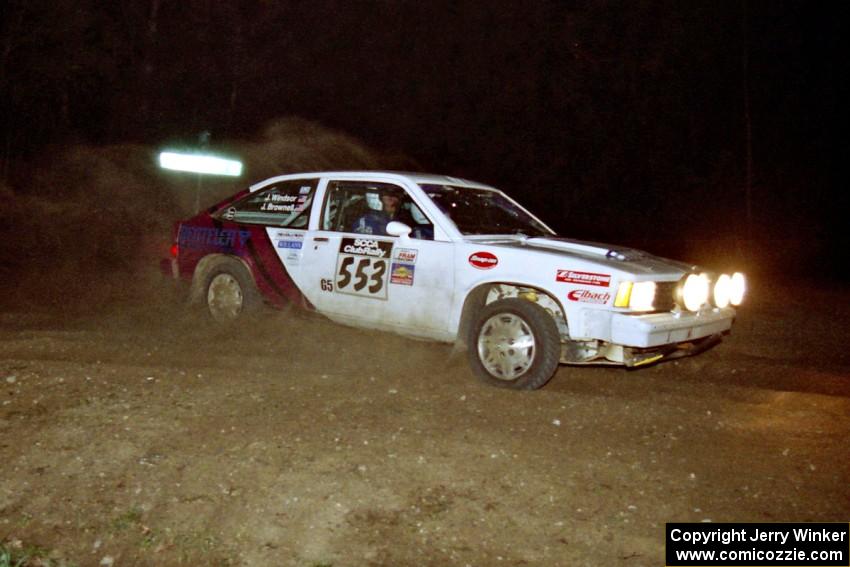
(583, 278)
(402, 274)
(483, 260)
(406, 255)
(206, 237)
(361, 267)
(586, 296)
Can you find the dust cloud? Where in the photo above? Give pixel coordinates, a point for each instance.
(87, 229)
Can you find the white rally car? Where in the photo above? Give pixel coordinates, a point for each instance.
(449, 260)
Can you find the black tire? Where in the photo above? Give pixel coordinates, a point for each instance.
(229, 293)
(515, 344)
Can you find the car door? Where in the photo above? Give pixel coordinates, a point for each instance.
(363, 276)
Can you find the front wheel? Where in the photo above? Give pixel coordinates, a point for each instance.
(514, 344)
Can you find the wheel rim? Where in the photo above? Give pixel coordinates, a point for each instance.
(506, 346)
(224, 297)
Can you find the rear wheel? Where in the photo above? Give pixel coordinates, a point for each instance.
(229, 293)
(514, 344)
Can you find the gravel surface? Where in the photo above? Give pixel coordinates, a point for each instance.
(133, 432)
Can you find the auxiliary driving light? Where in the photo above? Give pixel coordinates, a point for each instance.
(722, 291)
(695, 291)
(737, 289)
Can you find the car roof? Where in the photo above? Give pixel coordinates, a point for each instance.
(415, 177)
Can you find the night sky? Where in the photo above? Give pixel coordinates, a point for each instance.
(636, 121)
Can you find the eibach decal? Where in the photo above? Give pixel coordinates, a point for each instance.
(587, 296)
(583, 278)
(483, 260)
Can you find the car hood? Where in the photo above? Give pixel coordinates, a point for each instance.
(605, 256)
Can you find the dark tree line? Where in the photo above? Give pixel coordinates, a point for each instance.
(633, 110)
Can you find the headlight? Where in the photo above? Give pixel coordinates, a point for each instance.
(738, 287)
(695, 291)
(643, 296)
(722, 291)
(639, 296)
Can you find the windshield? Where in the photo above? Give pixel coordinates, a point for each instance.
(482, 211)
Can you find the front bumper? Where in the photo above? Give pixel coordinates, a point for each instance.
(658, 329)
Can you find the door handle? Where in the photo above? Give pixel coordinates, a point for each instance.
(320, 239)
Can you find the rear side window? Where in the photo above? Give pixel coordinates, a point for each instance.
(283, 204)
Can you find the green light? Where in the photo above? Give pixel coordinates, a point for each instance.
(200, 163)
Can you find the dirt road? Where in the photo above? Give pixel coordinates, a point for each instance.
(134, 434)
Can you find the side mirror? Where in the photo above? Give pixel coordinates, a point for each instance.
(395, 228)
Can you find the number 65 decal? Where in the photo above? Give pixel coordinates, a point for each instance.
(366, 277)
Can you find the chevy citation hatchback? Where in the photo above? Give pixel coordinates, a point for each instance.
(448, 260)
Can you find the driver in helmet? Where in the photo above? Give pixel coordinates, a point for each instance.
(374, 221)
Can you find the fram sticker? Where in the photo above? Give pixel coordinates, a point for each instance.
(402, 274)
(405, 255)
(584, 278)
(483, 260)
(586, 296)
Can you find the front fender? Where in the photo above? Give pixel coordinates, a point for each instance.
(475, 297)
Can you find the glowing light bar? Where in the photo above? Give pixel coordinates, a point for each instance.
(200, 163)
(739, 288)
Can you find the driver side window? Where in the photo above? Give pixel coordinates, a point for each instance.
(367, 207)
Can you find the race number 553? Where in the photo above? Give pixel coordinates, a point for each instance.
(364, 276)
